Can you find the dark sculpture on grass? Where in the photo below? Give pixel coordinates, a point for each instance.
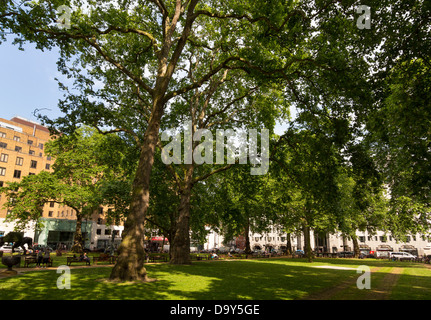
(10, 261)
(18, 240)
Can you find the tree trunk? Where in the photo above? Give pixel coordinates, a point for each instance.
(356, 250)
(307, 243)
(288, 245)
(180, 249)
(247, 237)
(131, 258)
(77, 239)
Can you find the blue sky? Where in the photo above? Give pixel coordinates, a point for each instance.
(27, 81)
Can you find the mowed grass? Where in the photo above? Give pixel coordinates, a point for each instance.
(265, 279)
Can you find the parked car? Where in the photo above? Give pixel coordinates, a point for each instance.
(299, 253)
(345, 254)
(223, 250)
(6, 248)
(401, 256)
(40, 247)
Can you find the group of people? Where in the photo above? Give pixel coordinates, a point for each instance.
(42, 258)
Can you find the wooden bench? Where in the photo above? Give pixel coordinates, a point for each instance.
(70, 260)
(158, 258)
(110, 259)
(33, 259)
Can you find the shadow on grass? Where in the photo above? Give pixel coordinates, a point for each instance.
(268, 279)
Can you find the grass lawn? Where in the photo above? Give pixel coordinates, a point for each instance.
(261, 279)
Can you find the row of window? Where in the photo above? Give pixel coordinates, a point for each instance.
(269, 239)
(18, 139)
(62, 214)
(16, 173)
(108, 232)
(4, 157)
(386, 238)
(3, 145)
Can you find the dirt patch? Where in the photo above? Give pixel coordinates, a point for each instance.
(333, 291)
(383, 291)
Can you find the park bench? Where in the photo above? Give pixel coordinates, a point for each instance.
(70, 260)
(110, 259)
(33, 259)
(158, 258)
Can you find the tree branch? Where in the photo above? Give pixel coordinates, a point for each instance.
(201, 178)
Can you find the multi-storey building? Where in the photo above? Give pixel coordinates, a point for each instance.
(22, 146)
(379, 243)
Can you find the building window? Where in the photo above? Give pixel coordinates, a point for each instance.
(2, 135)
(51, 204)
(40, 145)
(19, 161)
(383, 239)
(48, 158)
(1, 184)
(99, 231)
(33, 164)
(361, 239)
(2, 172)
(99, 221)
(3, 145)
(4, 157)
(31, 152)
(30, 142)
(17, 174)
(16, 138)
(18, 149)
(50, 213)
(107, 232)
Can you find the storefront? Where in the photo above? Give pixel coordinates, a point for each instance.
(156, 244)
(59, 233)
(382, 251)
(410, 249)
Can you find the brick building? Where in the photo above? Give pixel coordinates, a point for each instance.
(22, 145)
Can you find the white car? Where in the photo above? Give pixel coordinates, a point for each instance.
(6, 248)
(401, 255)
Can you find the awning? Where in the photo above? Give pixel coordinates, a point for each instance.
(384, 247)
(159, 239)
(408, 247)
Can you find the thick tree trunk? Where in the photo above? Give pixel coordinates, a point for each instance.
(180, 249)
(77, 239)
(131, 258)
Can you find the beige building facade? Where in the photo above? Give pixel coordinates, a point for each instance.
(22, 153)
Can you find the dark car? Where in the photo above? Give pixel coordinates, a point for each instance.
(345, 254)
